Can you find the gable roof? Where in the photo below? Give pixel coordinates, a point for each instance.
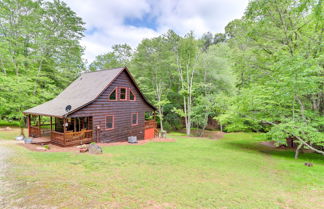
(80, 93)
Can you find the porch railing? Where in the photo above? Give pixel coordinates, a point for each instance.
(38, 131)
(35, 131)
(150, 124)
(57, 137)
(71, 138)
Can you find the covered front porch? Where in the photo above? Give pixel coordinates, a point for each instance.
(60, 131)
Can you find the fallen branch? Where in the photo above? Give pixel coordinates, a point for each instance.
(299, 139)
(309, 146)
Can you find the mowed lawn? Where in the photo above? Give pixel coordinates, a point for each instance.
(233, 172)
(12, 134)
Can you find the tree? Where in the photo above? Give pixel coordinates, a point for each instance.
(219, 38)
(207, 40)
(152, 65)
(119, 57)
(187, 56)
(279, 70)
(40, 52)
(214, 78)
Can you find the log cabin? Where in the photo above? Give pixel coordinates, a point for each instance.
(101, 106)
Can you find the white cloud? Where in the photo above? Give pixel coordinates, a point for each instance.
(200, 16)
(105, 19)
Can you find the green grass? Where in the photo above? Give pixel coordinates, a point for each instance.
(12, 134)
(234, 172)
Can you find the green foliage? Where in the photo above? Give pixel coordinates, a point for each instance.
(291, 128)
(10, 123)
(39, 53)
(119, 57)
(277, 53)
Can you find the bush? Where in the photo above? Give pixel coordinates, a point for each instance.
(167, 126)
(9, 123)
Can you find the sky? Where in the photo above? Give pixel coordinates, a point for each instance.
(110, 22)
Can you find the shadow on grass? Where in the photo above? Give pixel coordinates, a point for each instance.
(275, 152)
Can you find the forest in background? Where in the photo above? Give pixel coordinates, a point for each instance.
(265, 73)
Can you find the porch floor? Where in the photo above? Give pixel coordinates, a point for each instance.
(41, 140)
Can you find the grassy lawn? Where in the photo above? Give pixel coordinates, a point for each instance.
(12, 134)
(234, 172)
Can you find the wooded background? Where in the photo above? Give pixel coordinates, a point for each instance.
(265, 73)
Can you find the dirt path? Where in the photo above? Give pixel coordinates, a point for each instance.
(5, 152)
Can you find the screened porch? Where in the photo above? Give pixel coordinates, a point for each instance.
(60, 131)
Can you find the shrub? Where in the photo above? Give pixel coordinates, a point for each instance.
(9, 123)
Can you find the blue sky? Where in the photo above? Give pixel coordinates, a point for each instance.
(110, 22)
(146, 21)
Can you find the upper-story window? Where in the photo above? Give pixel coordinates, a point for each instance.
(113, 95)
(131, 96)
(122, 93)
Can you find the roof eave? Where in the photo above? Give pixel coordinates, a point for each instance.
(42, 114)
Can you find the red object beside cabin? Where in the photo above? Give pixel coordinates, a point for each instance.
(149, 133)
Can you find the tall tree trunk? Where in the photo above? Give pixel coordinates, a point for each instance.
(297, 150)
(38, 72)
(186, 84)
(205, 125)
(158, 92)
(161, 117)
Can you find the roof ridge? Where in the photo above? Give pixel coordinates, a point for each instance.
(102, 70)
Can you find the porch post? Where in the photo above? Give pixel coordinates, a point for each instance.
(82, 124)
(28, 125)
(64, 129)
(51, 129)
(39, 125)
(74, 122)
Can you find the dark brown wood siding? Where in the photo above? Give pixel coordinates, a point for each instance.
(121, 110)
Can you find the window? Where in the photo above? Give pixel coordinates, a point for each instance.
(112, 95)
(134, 119)
(122, 94)
(109, 122)
(131, 96)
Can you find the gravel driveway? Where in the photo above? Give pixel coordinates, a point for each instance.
(5, 152)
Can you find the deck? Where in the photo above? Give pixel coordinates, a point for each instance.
(41, 140)
(71, 138)
(68, 138)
